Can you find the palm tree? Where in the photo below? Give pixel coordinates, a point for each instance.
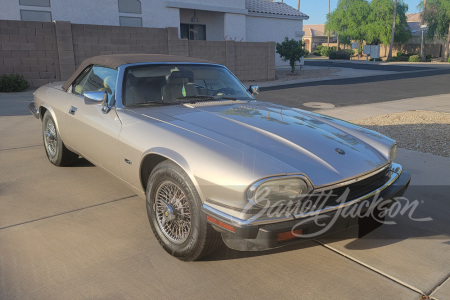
(393, 30)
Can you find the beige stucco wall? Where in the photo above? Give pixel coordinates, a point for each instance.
(273, 29)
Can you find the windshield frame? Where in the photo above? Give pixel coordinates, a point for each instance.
(122, 73)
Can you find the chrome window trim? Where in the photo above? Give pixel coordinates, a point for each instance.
(396, 172)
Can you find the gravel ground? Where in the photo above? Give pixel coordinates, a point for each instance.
(424, 131)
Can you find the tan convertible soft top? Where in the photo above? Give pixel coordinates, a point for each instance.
(116, 60)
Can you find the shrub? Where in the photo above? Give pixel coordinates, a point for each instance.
(13, 83)
(376, 59)
(291, 50)
(414, 58)
(341, 54)
(448, 58)
(402, 56)
(319, 47)
(325, 51)
(317, 52)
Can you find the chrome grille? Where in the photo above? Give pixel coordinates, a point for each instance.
(355, 190)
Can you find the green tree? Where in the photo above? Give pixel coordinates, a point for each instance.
(349, 19)
(437, 17)
(291, 50)
(379, 23)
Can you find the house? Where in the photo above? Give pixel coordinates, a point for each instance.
(435, 47)
(213, 20)
(315, 35)
(414, 22)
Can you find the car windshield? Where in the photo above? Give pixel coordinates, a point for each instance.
(180, 83)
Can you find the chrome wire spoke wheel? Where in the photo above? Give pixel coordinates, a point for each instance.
(173, 212)
(50, 138)
(174, 209)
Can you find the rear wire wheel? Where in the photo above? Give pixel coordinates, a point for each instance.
(55, 149)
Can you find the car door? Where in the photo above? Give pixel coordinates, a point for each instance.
(92, 130)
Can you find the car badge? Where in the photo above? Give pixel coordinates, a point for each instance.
(340, 151)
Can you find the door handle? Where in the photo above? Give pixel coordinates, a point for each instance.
(72, 110)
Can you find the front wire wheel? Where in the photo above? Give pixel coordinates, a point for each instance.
(175, 213)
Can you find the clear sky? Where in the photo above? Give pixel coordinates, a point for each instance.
(317, 9)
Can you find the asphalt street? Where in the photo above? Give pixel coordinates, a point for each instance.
(79, 233)
(408, 82)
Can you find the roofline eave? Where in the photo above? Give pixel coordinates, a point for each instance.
(266, 15)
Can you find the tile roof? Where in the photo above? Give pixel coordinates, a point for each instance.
(414, 17)
(314, 30)
(272, 8)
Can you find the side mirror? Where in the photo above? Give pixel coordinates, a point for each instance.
(92, 98)
(254, 89)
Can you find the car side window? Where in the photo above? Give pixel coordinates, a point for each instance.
(96, 78)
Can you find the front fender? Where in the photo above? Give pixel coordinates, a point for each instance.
(174, 157)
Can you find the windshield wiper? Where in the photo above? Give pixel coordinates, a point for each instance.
(196, 98)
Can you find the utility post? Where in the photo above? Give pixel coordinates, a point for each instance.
(423, 29)
(329, 12)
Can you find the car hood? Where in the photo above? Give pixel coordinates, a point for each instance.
(324, 149)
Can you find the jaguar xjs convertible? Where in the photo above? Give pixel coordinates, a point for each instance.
(212, 163)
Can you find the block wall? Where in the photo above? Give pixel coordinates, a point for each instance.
(46, 52)
(30, 49)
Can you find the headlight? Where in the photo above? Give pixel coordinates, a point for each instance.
(393, 152)
(280, 190)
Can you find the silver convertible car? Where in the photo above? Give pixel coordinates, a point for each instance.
(212, 163)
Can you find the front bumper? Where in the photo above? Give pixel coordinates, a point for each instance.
(34, 111)
(367, 212)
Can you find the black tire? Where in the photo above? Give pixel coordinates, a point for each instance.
(54, 147)
(169, 181)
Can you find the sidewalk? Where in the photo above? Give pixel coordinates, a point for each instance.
(433, 64)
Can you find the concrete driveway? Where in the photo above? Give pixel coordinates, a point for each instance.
(78, 233)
